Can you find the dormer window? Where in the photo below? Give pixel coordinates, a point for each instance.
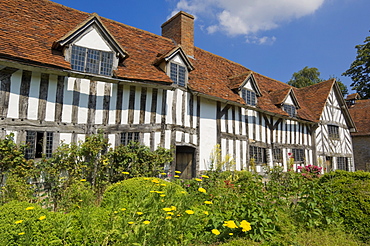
(178, 73)
(91, 61)
(290, 109)
(249, 97)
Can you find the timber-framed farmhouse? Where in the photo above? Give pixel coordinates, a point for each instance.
(66, 74)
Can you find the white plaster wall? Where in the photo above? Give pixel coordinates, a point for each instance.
(125, 103)
(111, 139)
(178, 59)
(137, 105)
(178, 136)
(113, 105)
(99, 102)
(179, 107)
(33, 99)
(50, 102)
(146, 139)
(14, 132)
(66, 138)
(15, 85)
(157, 139)
(148, 106)
(248, 85)
(169, 107)
(68, 100)
(167, 140)
(81, 138)
(84, 101)
(289, 100)
(93, 40)
(158, 118)
(207, 132)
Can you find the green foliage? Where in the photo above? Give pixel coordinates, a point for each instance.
(12, 159)
(310, 76)
(352, 200)
(16, 189)
(138, 160)
(305, 77)
(359, 70)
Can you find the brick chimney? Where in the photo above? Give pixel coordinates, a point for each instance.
(180, 28)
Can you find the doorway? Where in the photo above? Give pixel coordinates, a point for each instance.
(185, 162)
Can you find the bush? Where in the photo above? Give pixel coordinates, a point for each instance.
(353, 200)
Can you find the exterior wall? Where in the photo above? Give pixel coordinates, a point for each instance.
(361, 152)
(331, 148)
(73, 108)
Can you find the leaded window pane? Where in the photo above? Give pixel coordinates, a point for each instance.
(290, 109)
(333, 131)
(182, 73)
(49, 144)
(78, 58)
(298, 154)
(173, 72)
(249, 97)
(258, 154)
(342, 163)
(30, 141)
(91, 61)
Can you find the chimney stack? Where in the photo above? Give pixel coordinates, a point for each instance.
(180, 28)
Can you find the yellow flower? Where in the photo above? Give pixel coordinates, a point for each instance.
(82, 180)
(116, 212)
(30, 208)
(198, 180)
(21, 233)
(177, 172)
(245, 225)
(183, 192)
(202, 190)
(170, 213)
(205, 176)
(207, 202)
(146, 222)
(152, 191)
(42, 217)
(155, 181)
(231, 233)
(163, 185)
(168, 217)
(215, 231)
(139, 213)
(173, 208)
(125, 173)
(206, 212)
(159, 192)
(162, 195)
(189, 211)
(230, 223)
(163, 173)
(176, 176)
(123, 209)
(146, 178)
(130, 223)
(18, 221)
(167, 209)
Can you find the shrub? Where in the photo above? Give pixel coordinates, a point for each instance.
(353, 200)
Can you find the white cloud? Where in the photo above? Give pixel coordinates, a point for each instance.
(248, 17)
(260, 40)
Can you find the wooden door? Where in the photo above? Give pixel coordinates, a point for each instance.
(185, 161)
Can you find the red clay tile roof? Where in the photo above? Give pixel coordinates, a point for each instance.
(360, 113)
(28, 29)
(353, 96)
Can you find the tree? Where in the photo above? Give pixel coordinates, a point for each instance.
(305, 77)
(310, 76)
(359, 71)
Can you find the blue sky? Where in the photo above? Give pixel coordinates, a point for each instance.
(273, 37)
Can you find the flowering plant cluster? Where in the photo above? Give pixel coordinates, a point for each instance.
(310, 171)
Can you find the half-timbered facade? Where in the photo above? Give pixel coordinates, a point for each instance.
(66, 74)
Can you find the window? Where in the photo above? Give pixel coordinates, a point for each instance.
(178, 74)
(277, 154)
(127, 137)
(249, 97)
(298, 154)
(91, 61)
(258, 154)
(342, 163)
(290, 109)
(38, 143)
(333, 131)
